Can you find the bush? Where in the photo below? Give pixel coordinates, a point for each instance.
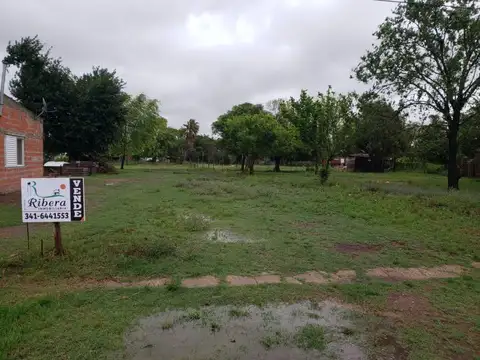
(324, 174)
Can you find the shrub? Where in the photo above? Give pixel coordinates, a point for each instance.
(324, 174)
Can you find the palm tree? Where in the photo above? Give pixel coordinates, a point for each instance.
(190, 130)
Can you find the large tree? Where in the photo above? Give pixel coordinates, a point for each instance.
(141, 128)
(252, 135)
(39, 79)
(428, 52)
(170, 144)
(82, 115)
(218, 127)
(287, 141)
(324, 124)
(99, 116)
(380, 129)
(304, 114)
(335, 123)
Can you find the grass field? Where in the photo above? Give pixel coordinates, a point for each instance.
(155, 221)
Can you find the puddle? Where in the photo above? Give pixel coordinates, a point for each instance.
(305, 330)
(226, 236)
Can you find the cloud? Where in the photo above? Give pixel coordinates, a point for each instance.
(199, 58)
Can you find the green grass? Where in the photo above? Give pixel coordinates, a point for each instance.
(238, 313)
(155, 223)
(278, 338)
(311, 337)
(10, 215)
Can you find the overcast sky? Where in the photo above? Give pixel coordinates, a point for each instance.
(201, 57)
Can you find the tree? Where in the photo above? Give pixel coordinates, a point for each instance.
(170, 144)
(190, 131)
(285, 144)
(334, 125)
(429, 53)
(218, 127)
(82, 115)
(431, 144)
(381, 130)
(208, 148)
(324, 124)
(100, 115)
(252, 135)
(287, 141)
(469, 137)
(141, 128)
(304, 115)
(40, 77)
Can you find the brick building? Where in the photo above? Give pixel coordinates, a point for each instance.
(21, 146)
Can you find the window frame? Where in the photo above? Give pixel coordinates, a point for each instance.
(17, 138)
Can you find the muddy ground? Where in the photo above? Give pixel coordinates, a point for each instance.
(307, 330)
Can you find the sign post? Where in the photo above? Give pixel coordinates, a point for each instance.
(53, 200)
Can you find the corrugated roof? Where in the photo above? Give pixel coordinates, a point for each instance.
(55, 163)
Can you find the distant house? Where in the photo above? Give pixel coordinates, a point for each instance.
(471, 168)
(21, 145)
(365, 163)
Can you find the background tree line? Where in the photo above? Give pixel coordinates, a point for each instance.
(427, 55)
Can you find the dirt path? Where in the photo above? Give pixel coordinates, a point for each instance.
(311, 277)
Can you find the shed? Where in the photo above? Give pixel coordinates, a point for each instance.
(365, 163)
(53, 168)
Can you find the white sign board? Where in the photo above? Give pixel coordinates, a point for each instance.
(53, 200)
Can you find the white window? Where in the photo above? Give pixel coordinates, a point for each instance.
(14, 151)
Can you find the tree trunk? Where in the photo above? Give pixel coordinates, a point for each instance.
(251, 163)
(277, 164)
(244, 158)
(317, 161)
(452, 151)
(122, 162)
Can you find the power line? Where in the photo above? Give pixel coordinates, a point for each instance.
(424, 4)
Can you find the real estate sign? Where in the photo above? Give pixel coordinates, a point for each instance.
(53, 200)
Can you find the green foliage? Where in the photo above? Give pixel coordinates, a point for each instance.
(429, 53)
(324, 174)
(83, 115)
(219, 126)
(324, 123)
(380, 129)
(256, 135)
(169, 144)
(99, 116)
(431, 143)
(311, 337)
(469, 137)
(189, 131)
(142, 127)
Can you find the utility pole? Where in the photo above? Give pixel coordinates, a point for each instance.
(2, 86)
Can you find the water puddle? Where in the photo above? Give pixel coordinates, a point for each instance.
(307, 330)
(226, 236)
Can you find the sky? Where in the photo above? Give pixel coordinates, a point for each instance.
(201, 57)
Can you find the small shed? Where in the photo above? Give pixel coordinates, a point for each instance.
(53, 168)
(365, 163)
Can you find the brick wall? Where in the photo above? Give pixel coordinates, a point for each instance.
(15, 120)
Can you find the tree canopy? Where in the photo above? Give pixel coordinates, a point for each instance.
(82, 115)
(429, 53)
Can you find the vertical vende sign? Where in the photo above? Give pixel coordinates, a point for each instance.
(53, 200)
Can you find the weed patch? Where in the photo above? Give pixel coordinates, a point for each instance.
(311, 337)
